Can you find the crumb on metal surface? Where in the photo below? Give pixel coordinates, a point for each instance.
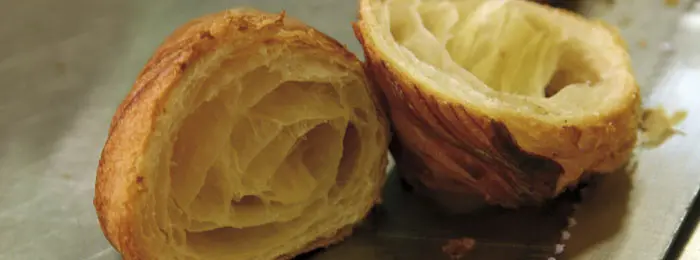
(657, 126)
(559, 249)
(642, 43)
(565, 235)
(458, 248)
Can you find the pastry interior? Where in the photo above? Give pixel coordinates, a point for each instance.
(260, 153)
(510, 56)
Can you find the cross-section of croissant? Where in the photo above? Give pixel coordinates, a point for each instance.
(247, 136)
(508, 101)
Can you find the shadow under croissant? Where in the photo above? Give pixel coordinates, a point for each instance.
(602, 213)
(410, 226)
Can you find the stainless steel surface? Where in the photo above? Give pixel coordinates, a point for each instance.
(65, 65)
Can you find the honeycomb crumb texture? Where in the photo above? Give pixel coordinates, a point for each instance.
(265, 162)
(508, 48)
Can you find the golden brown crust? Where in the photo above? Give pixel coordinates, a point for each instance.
(119, 182)
(450, 145)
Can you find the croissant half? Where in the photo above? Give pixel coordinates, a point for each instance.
(509, 102)
(247, 136)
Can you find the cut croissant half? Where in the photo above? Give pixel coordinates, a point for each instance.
(247, 136)
(507, 101)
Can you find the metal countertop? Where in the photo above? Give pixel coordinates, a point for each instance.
(66, 65)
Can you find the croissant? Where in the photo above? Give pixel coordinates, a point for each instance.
(246, 136)
(509, 102)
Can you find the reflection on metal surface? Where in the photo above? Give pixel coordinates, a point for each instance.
(64, 71)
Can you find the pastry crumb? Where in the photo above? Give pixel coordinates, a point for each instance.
(559, 249)
(565, 235)
(657, 126)
(458, 248)
(642, 43)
